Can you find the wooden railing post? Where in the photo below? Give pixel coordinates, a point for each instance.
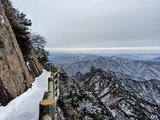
(46, 109)
(50, 88)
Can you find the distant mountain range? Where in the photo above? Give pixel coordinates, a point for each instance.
(135, 68)
(128, 64)
(60, 59)
(155, 61)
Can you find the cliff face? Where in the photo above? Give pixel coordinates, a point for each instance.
(16, 72)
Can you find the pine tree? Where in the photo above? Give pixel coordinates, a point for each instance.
(38, 42)
(20, 25)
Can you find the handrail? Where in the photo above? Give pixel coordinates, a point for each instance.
(47, 106)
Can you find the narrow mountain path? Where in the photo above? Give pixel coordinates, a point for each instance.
(26, 106)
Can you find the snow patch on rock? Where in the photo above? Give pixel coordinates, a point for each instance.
(1, 19)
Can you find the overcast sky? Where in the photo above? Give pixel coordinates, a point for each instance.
(96, 25)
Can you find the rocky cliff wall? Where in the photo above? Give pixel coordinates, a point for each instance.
(16, 72)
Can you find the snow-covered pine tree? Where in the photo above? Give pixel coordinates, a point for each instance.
(20, 25)
(38, 42)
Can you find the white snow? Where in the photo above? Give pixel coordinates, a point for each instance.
(104, 92)
(28, 65)
(26, 106)
(88, 106)
(2, 19)
(56, 97)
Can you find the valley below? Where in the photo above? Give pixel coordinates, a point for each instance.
(110, 88)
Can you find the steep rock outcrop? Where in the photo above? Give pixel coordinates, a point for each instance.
(101, 95)
(126, 98)
(16, 72)
(76, 103)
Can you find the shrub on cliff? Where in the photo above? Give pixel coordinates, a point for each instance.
(38, 42)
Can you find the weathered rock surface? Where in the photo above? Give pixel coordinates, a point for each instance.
(76, 103)
(100, 95)
(126, 98)
(16, 72)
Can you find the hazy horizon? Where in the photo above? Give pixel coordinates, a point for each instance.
(138, 56)
(109, 50)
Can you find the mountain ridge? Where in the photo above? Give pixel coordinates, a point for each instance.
(123, 98)
(137, 68)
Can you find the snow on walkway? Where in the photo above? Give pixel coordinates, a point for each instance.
(26, 106)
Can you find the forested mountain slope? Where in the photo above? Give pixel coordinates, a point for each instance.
(100, 95)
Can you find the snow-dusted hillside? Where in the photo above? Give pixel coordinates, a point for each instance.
(127, 99)
(135, 68)
(101, 95)
(26, 106)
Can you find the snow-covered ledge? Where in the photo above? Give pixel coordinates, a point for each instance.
(26, 106)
